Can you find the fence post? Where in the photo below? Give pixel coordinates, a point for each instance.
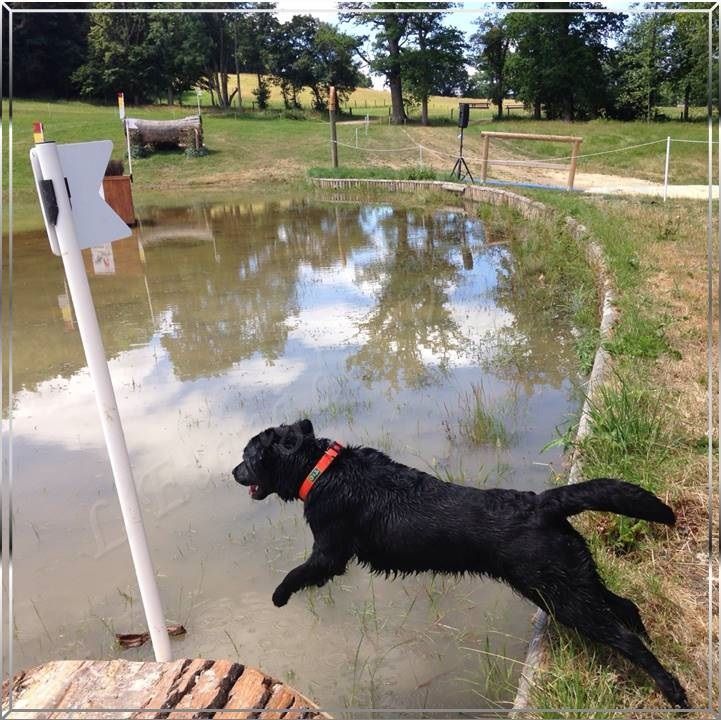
(665, 172)
(484, 160)
(333, 136)
(574, 160)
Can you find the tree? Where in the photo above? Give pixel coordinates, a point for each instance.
(290, 56)
(688, 62)
(434, 65)
(48, 48)
(333, 64)
(558, 59)
(120, 58)
(306, 52)
(253, 49)
(390, 29)
(638, 67)
(181, 49)
(144, 55)
(491, 44)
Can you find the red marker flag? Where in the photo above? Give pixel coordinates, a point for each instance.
(38, 133)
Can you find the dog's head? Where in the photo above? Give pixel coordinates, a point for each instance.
(274, 461)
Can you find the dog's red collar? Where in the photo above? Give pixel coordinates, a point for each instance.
(320, 467)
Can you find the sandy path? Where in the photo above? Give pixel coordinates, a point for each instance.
(592, 183)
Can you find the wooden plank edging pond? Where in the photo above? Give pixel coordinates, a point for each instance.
(178, 690)
(530, 209)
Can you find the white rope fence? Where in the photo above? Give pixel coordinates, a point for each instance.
(539, 162)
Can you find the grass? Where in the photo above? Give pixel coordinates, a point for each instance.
(408, 173)
(481, 421)
(645, 428)
(628, 439)
(263, 153)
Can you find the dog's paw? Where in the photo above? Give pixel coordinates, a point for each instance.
(280, 596)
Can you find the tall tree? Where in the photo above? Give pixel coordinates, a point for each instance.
(144, 55)
(434, 63)
(688, 61)
(47, 49)
(559, 58)
(490, 45)
(120, 57)
(254, 49)
(638, 67)
(390, 30)
(306, 52)
(333, 64)
(182, 50)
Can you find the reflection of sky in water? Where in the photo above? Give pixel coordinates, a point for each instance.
(369, 320)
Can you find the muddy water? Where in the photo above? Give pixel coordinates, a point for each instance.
(385, 327)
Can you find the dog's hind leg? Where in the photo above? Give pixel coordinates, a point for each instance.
(627, 612)
(631, 646)
(585, 607)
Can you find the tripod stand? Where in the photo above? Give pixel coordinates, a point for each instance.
(461, 163)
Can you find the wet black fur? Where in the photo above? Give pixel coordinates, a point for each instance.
(396, 519)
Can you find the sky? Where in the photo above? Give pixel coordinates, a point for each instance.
(462, 17)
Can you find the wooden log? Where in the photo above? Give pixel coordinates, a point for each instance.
(531, 136)
(210, 690)
(252, 690)
(282, 697)
(154, 691)
(185, 132)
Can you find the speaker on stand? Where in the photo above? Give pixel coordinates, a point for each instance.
(460, 169)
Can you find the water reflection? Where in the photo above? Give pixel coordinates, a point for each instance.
(219, 320)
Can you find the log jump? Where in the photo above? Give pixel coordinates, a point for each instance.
(186, 132)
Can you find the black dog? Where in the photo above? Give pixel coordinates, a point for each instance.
(395, 519)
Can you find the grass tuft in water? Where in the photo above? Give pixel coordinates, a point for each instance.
(481, 422)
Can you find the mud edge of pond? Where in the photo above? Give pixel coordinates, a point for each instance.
(530, 209)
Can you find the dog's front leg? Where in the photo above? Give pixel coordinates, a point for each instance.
(320, 567)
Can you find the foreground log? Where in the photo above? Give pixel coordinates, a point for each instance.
(185, 133)
(149, 690)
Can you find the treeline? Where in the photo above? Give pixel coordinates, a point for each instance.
(570, 65)
(161, 55)
(581, 65)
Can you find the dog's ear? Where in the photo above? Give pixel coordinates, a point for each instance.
(305, 426)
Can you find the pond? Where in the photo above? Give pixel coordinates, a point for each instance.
(393, 327)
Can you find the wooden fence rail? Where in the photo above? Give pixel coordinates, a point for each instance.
(575, 141)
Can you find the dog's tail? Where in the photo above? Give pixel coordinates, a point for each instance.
(607, 495)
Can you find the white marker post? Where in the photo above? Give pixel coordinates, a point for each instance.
(665, 171)
(68, 180)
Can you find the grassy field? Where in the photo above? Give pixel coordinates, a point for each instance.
(249, 150)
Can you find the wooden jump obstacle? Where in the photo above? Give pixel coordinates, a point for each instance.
(184, 132)
(148, 690)
(576, 141)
